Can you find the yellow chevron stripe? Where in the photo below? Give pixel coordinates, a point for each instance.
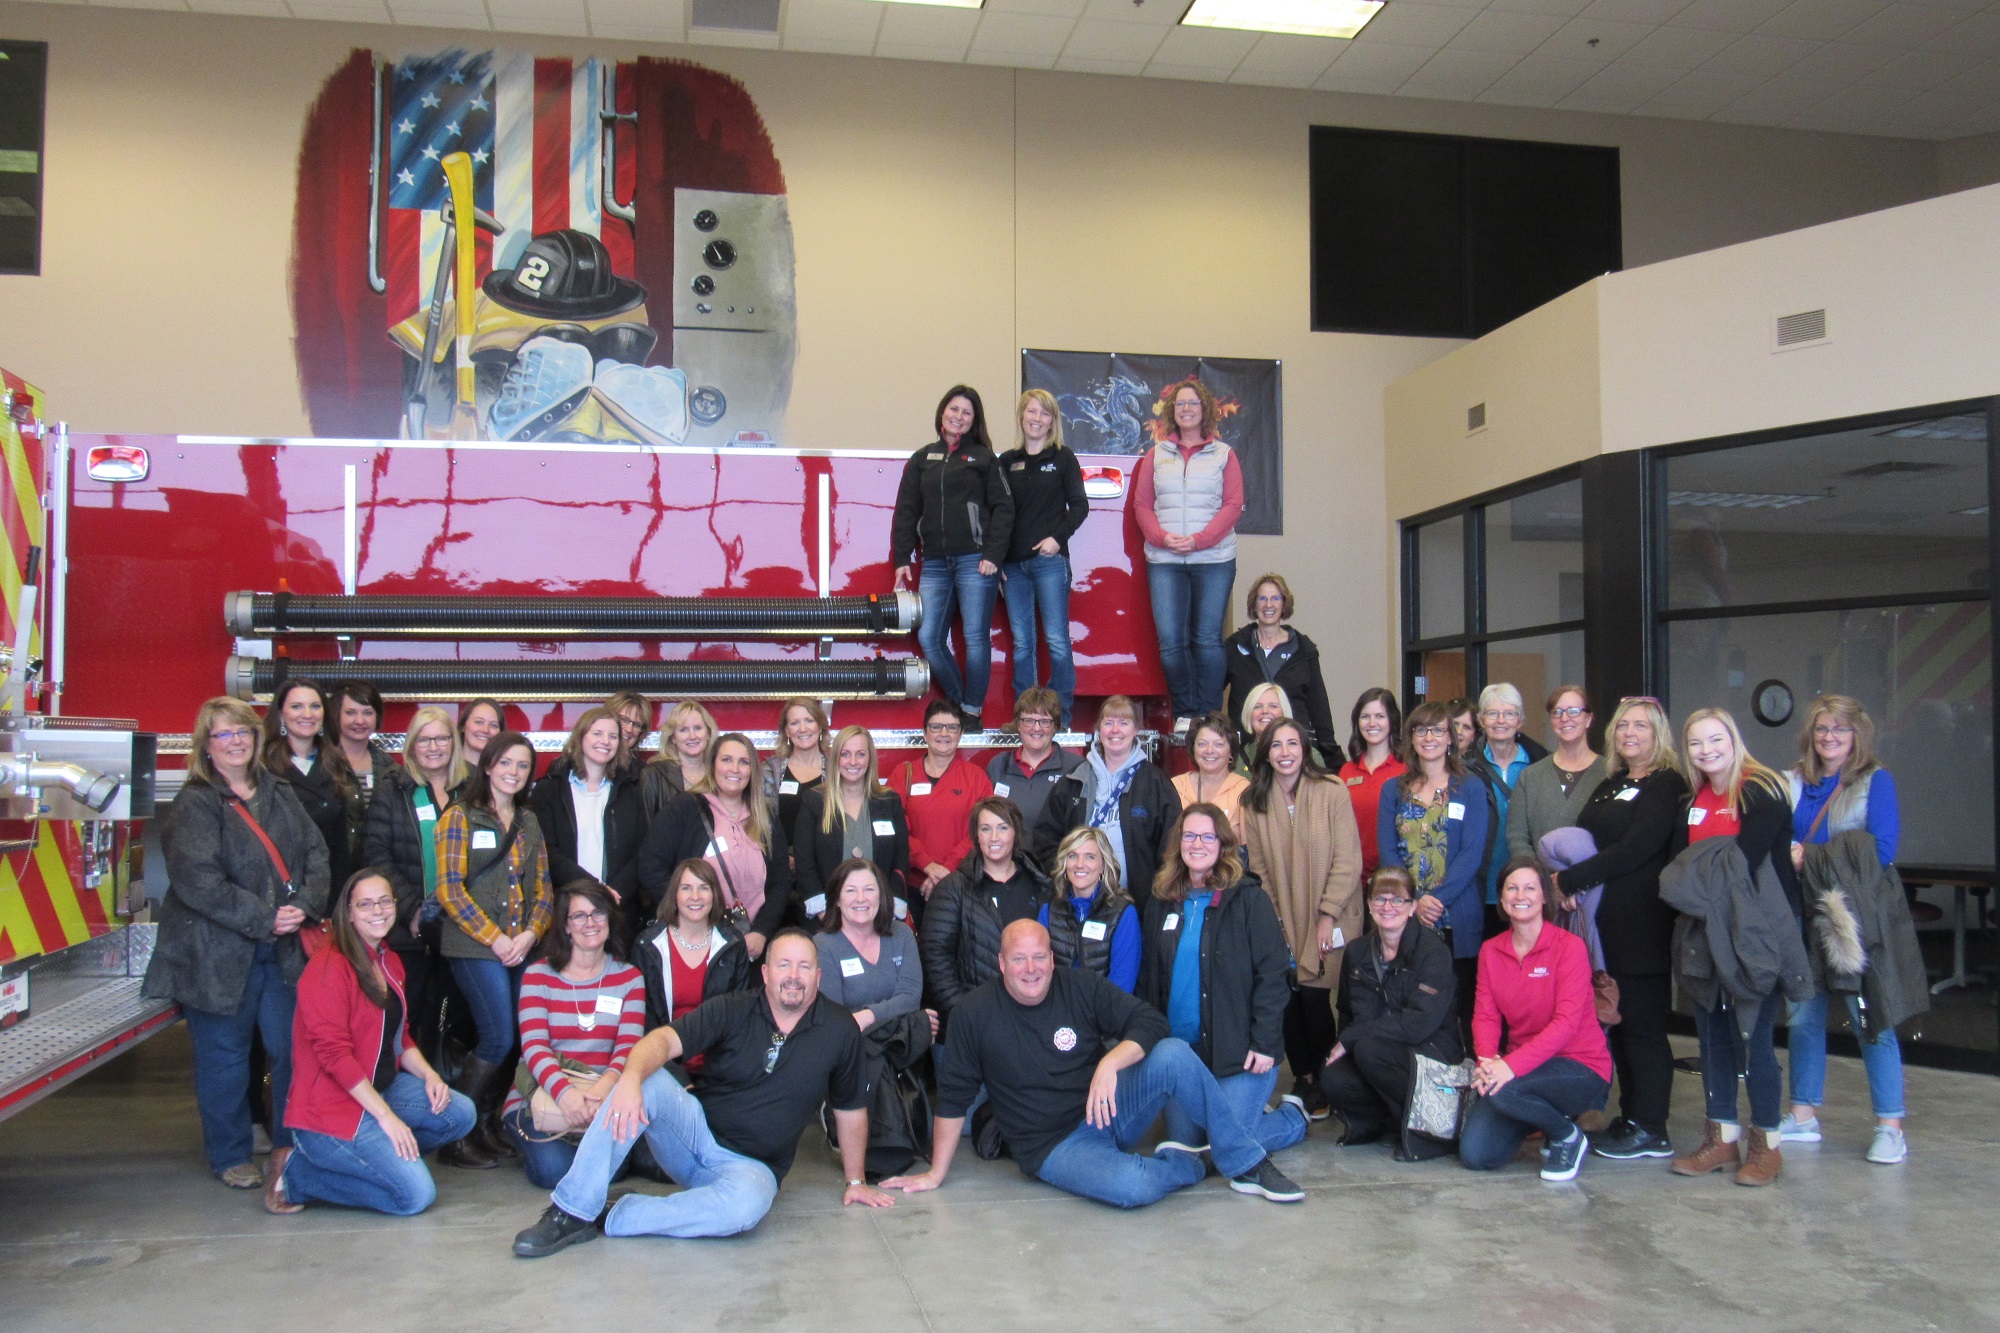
(61, 890)
(1946, 657)
(17, 928)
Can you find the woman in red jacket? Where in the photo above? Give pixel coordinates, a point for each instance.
(365, 1105)
(1534, 981)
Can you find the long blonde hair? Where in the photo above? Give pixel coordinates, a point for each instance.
(1075, 838)
(222, 708)
(455, 769)
(834, 815)
(757, 823)
(1663, 737)
(1048, 402)
(1743, 766)
(783, 749)
(1845, 711)
(669, 753)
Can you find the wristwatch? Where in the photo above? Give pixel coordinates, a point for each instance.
(852, 1183)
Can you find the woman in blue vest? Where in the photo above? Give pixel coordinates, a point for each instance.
(1187, 496)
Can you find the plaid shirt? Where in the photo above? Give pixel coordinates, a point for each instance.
(529, 898)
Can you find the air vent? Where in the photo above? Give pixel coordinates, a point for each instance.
(1475, 418)
(737, 15)
(1895, 467)
(1808, 326)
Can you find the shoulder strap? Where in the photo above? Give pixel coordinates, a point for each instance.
(721, 863)
(506, 842)
(1820, 818)
(242, 808)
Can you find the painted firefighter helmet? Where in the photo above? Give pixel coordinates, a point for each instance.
(564, 274)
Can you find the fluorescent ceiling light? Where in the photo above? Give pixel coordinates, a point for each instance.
(947, 4)
(1308, 18)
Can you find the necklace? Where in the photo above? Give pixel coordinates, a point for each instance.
(682, 941)
(587, 1018)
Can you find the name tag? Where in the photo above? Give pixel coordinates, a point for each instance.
(716, 846)
(1093, 930)
(1629, 794)
(920, 789)
(789, 787)
(1454, 811)
(934, 458)
(484, 840)
(1002, 789)
(1696, 814)
(427, 814)
(1354, 782)
(1018, 467)
(885, 828)
(1173, 921)
(816, 905)
(609, 1004)
(1339, 938)
(902, 910)
(850, 967)
(1538, 973)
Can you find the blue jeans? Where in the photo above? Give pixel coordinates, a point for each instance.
(1724, 1059)
(723, 1192)
(548, 1160)
(364, 1171)
(1041, 582)
(1100, 1164)
(222, 1063)
(1190, 603)
(948, 583)
(1249, 1096)
(1548, 1097)
(493, 994)
(1806, 1044)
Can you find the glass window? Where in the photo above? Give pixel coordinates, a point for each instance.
(1534, 558)
(1861, 513)
(1534, 666)
(1441, 578)
(1925, 675)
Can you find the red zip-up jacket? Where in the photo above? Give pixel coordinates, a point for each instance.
(336, 1042)
(940, 818)
(1544, 1000)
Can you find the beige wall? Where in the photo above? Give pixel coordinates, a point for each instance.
(1965, 163)
(945, 217)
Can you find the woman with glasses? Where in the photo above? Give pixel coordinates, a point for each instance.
(938, 792)
(365, 1106)
(1267, 648)
(1432, 821)
(1398, 993)
(1217, 965)
(798, 765)
(1375, 758)
(1049, 507)
(1551, 791)
(1499, 760)
(592, 817)
(301, 751)
(399, 838)
(1632, 817)
(583, 1009)
(854, 818)
(954, 509)
(1305, 849)
(1119, 790)
(686, 739)
(634, 712)
(228, 950)
(1211, 743)
(1838, 786)
(1027, 773)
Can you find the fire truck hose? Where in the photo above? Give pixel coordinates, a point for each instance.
(556, 682)
(263, 614)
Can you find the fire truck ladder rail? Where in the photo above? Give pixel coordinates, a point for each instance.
(267, 614)
(560, 682)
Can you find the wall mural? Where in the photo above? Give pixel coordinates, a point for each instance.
(493, 245)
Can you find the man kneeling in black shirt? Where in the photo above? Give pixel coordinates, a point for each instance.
(1070, 1112)
(771, 1057)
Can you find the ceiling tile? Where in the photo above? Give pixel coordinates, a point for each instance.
(1640, 83)
(551, 10)
(1906, 25)
(1677, 48)
(1729, 15)
(1091, 40)
(947, 55)
(1412, 24)
(1762, 55)
(1927, 68)
(264, 9)
(426, 16)
(1506, 34)
(1458, 74)
(1296, 60)
(832, 46)
(1056, 8)
(462, 8)
(1080, 65)
(1191, 73)
(1566, 8)
(928, 26)
(1008, 59)
(1842, 62)
(1776, 101)
(1979, 33)
(1376, 69)
(1022, 34)
(1635, 11)
(1613, 37)
(351, 11)
(762, 41)
(1603, 106)
(1156, 13)
(177, 5)
(666, 31)
(1822, 20)
(556, 26)
(1706, 90)
(1540, 81)
(833, 21)
(1206, 48)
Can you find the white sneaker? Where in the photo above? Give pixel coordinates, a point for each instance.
(1889, 1147)
(1799, 1131)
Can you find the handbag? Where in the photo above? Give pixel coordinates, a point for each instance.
(313, 935)
(733, 910)
(1440, 1095)
(543, 1111)
(1604, 993)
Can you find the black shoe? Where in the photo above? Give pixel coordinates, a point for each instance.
(1312, 1099)
(1625, 1141)
(1565, 1159)
(1266, 1179)
(555, 1230)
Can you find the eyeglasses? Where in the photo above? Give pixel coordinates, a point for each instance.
(580, 919)
(375, 906)
(1200, 839)
(1431, 733)
(1034, 721)
(1389, 902)
(1829, 733)
(1502, 714)
(771, 1056)
(431, 742)
(1567, 714)
(944, 728)
(233, 735)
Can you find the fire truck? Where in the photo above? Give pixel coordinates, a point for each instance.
(148, 573)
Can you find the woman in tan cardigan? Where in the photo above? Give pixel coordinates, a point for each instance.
(1304, 846)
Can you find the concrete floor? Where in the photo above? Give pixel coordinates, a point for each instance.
(112, 1223)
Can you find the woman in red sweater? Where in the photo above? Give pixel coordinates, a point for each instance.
(1534, 981)
(938, 793)
(365, 1105)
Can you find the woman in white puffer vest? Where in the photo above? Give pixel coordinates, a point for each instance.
(1187, 496)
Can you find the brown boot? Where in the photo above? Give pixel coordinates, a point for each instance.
(1713, 1155)
(1764, 1163)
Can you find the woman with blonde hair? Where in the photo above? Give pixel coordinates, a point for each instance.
(1107, 924)
(1632, 817)
(687, 743)
(399, 838)
(726, 821)
(1262, 705)
(853, 817)
(1049, 506)
(798, 763)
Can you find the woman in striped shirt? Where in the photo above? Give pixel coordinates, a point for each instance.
(583, 1008)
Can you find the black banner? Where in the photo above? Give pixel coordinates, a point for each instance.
(1111, 404)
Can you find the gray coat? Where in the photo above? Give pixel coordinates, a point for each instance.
(223, 893)
(1863, 941)
(1538, 804)
(1736, 935)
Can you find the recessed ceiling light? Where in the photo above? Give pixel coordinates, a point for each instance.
(1308, 18)
(947, 4)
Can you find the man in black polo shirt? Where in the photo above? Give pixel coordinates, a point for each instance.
(771, 1057)
(1070, 1111)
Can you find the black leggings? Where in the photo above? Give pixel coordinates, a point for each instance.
(1309, 1030)
(1639, 1050)
(1370, 1087)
